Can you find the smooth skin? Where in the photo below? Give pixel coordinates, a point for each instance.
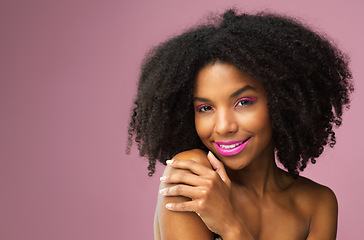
(244, 196)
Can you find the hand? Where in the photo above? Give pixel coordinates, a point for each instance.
(209, 191)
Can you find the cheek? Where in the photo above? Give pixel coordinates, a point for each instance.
(203, 128)
(263, 125)
(258, 122)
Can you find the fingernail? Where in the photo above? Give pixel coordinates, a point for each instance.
(169, 161)
(163, 178)
(163, 191)
(169, 205)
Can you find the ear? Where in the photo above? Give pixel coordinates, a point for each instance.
(219, 168)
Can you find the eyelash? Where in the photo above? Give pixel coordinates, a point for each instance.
(247, 100)
(199, 108)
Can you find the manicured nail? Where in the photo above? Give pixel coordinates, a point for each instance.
(169, 161)
(163, 178)
(211, 154)
(163, 191)
(169, 205)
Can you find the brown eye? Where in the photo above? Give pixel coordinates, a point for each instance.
(204, 109)
(243, 102)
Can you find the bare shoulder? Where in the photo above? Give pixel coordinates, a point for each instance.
(196, 155)
(180, 225)
(319, 204)
(314, 193)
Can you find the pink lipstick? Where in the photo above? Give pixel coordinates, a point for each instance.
(231, 148)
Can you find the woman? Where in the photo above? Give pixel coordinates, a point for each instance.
(226, 100)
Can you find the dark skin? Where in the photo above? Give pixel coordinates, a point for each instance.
(244, 195)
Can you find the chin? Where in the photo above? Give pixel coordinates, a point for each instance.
(235, 162)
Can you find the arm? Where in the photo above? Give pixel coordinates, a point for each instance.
(324, 220)
(181, 225)
(207, 188)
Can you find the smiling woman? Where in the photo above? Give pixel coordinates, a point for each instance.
(223, 101)
(235, 124)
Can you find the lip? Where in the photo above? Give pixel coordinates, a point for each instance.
(232, 151)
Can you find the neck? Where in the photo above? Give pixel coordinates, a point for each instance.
(260, 176)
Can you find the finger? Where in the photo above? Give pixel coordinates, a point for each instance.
(182, 207)
(183, 177)
(219, 168)
(191, 165)
(183, 190)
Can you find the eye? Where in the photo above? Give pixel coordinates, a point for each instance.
(245, 101)
(203, 108)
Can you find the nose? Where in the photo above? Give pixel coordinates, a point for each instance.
(225, 122)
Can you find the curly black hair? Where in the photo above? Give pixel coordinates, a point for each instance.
(306, 77)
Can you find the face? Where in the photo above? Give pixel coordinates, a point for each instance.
(232, 117)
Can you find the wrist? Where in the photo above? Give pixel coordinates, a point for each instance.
(237, 231)
(237, 234)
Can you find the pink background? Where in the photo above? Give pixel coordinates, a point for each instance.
(68, 73)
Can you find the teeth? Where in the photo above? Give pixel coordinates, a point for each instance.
(230, 146)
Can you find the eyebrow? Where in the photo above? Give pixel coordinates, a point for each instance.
(243, 89)
(234, 94)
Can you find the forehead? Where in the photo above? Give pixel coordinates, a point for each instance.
(225, 77)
